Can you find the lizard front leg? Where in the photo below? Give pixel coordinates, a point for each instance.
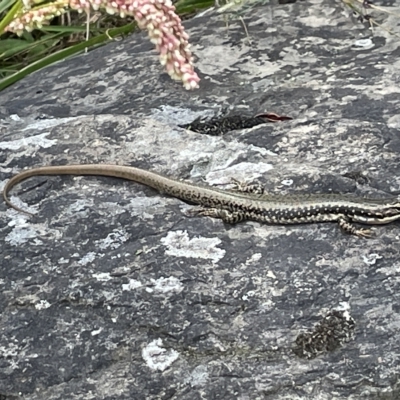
(230, 217)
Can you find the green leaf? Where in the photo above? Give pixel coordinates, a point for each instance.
(64, 53)
(11, 44)
(66, 29)
(4, 5)
(190, 6)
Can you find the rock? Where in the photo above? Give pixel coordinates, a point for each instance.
(111, 291)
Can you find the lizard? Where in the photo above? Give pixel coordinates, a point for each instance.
(244, 203)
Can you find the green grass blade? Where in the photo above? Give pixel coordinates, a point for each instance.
(189, 6)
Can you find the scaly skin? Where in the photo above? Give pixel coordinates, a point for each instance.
(234, 206)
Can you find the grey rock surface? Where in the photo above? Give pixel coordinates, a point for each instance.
(112, 292)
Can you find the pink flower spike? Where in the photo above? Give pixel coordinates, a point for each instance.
(158, 17)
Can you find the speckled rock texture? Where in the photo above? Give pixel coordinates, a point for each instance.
(111, 291)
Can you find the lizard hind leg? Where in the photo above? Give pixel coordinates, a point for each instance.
(348, 227)
(230, 217)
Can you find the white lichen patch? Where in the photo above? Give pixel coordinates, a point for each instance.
(167, 285)
(394, 121)
(141, 205)
(254, 259)
(131, 285)
(218, 57)
(244, 172)
(169, 115)
(96, 332)
(37, 140)
(21, 204)
(179, 245)
(47, 123)
(162, 285)
(88, 258)
(113, 239)
(21, 234)
(364, 44)
(42, 305)
(102, 276)
(199, 376)
(158, 358)
(370, 259)
(78, 206)
(287, 182)
(23, 231)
